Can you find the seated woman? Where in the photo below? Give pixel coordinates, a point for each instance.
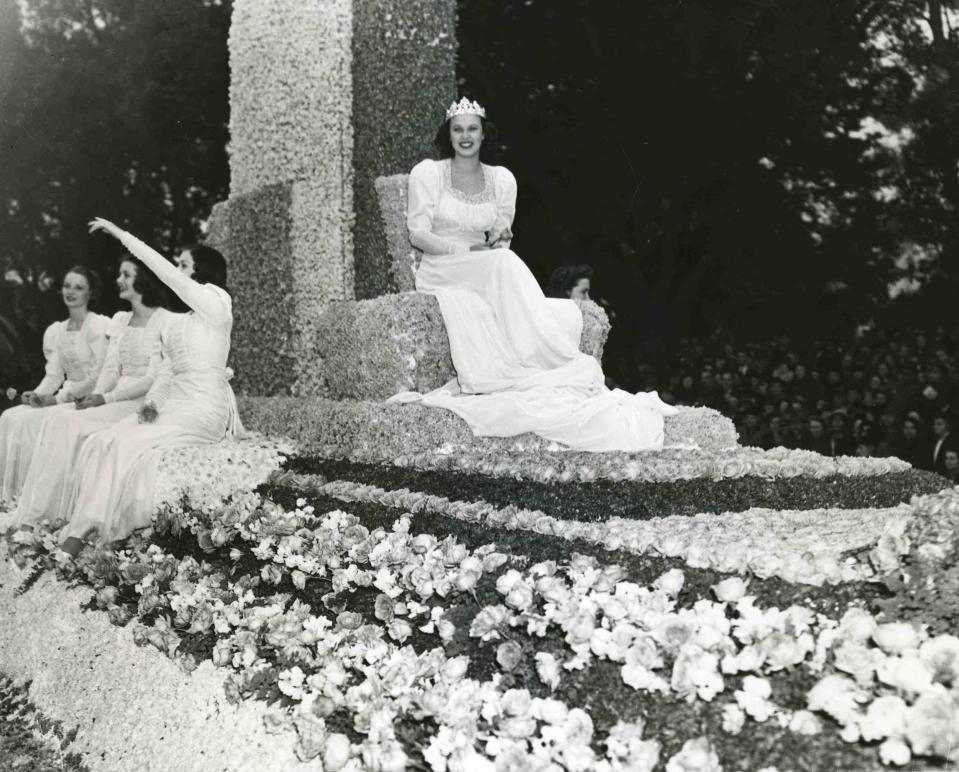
(519, 369)
(190, 403)
(132, 363)
(74, 350)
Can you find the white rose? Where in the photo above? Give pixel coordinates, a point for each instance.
(547, 668)
(894, 751)
(671, 582)
(729, 590)
(896, 637)
(336, 751)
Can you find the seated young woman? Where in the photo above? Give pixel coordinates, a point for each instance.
(190, 403)
(131, 366)
(74, 349)
(517, 359)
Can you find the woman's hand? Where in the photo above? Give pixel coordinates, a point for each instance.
(91, 400)
(147, 414)
(479, 247)
(99, 224)
(26, 398)
(495, 239)
(42, 400)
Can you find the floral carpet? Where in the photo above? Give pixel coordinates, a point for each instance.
(754, 611)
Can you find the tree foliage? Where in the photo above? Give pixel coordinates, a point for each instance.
(116, 108)
(708, 155)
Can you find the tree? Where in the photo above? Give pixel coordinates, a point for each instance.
(707, 156)
(118, 108)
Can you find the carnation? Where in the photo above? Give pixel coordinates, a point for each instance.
(696, 756)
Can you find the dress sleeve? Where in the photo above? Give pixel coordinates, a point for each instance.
(505, 198)
(423, 193)
(110, 372)
(207, 300)
(95, 335)
(53, 374)
(160, 369)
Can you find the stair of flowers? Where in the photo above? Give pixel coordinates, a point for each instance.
(466, 618)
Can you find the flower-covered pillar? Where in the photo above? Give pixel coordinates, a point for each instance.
(325, 96)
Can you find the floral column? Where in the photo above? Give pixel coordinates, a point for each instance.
(325, 95)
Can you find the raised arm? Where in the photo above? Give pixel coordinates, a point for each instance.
(212, 303)
(421, 201)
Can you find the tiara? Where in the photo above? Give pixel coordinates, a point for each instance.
(465, 107)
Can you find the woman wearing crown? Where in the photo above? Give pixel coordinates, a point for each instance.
(516, 353)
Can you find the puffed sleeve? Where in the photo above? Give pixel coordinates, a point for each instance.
(209, 301)
(422, 196)
(110, 372)
(95, 336)
(505, 198)
(54, 375)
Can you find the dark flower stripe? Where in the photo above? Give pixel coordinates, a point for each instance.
(639, 500)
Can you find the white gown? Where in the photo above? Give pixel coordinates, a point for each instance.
(131, 366)
(117, 467)
(516, 353)
(74, 359)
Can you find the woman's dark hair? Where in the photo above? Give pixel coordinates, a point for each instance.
(564, 278)
(444, 145)
(209, 266)
(93, 280)
(152, 291)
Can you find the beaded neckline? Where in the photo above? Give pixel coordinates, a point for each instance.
(483, 197)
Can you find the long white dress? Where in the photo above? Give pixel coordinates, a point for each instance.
(516, 353)
(116, 468)
(132, 363)
(74, 359)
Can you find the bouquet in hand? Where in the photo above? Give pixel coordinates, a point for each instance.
(497, 239)
(147, 414)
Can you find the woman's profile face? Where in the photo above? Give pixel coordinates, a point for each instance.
(75, 290)
(125, 279)
(580, 290)
(185, 262)
(466, 134)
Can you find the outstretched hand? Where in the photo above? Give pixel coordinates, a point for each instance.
(100, 224)
(91, 400)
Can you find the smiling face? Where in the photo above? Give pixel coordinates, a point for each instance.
(75, 290)
(466, 135)
(185, 262)
(125, 279)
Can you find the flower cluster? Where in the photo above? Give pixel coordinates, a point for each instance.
(895, 684)
(205, 475)
(804, 546)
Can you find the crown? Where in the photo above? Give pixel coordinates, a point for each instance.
(465, 107)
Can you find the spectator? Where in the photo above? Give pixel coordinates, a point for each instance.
(570, 281)
(942, 440)
(950, 464)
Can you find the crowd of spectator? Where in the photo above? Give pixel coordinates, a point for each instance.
(881, 393)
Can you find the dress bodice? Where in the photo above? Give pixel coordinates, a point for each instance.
(190, 343)
(444, 220)
(74, 357)
(134, 353)
(75, 360)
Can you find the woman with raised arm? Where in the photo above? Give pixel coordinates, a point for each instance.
(190, 403)
(74, 349)
(516, 353)
(132, 364)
